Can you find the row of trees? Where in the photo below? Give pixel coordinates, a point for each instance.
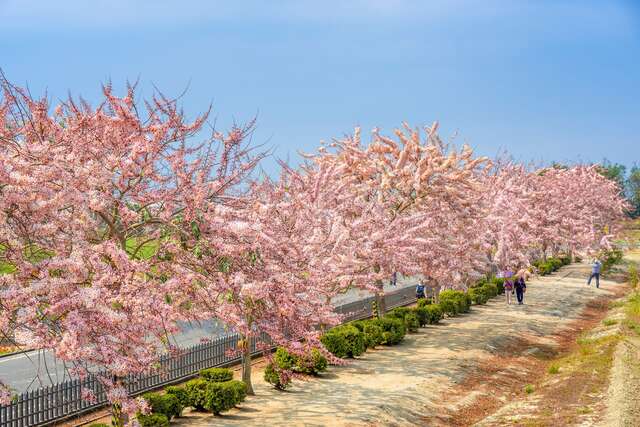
(116, 224)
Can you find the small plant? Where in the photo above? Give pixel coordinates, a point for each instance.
(153, 420)
(609, 322)
(554, 369)
(528, 389)
(99, 425)
(217, 374)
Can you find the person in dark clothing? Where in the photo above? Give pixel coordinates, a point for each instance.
(521, 288)
(420, 291)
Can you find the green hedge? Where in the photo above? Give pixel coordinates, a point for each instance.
(181, 394)
(429, 314)
(454, 302)
(197, 390)
(166, 404)
(218, 375)
(282, 361)
(423, 302)
(408, 316)
(344, 341)
(153, 420)
(219, 397)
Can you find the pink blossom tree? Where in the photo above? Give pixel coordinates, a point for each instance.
(93, 207)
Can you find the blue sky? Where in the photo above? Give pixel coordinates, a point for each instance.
(545, 80)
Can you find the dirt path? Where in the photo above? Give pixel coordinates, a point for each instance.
(419, 381)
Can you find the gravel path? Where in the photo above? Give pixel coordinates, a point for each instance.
(404, 384)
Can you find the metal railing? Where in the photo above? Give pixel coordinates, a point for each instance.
(63, 400)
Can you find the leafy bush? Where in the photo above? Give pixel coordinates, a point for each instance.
(181, 394)
(454, 302)
(284, 359)
(272, 376)
(219, 397)
(611, 257)
(411, 321)
(153, 420)
(219, 375)
(490, 290)
(197, 391)
(312, 363)
(344, 341)
(165, 404)
(435, 313)
(372, 334)
(408, 316)
(393, 330)
(423, 302)
(239, 388)
(499, 282)
(477, 295)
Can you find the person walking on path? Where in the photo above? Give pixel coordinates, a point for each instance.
(521, 288)
(508, 285)
(595, 272)
(420, 291)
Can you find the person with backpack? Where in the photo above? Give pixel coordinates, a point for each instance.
(520, 287)
(420, 291)
(508, 285)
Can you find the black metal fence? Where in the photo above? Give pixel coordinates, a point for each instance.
(57, 402)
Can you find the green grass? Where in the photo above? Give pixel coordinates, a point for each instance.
(528, 389)
(553, 369)
(609, 322)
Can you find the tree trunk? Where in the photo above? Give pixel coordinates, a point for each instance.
(380, 303)
(246, 364)
(118, 418)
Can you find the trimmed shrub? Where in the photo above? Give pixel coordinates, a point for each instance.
(393, 330)
(477, 295)
(454, 302)
(408, 316)
(240, 390)
(153, 420)
(435, 313)
(411, 322)
(373, 335)
(423, 316)
(490, 290)
(344, 341)
(423, 302)
(165, 404)
(499, 282)
(218, 375)
(312, 363)
(180, 393)
(197, 391)
(219, 397)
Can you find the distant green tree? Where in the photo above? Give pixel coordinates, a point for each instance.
(633, 189)
(615, 172)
